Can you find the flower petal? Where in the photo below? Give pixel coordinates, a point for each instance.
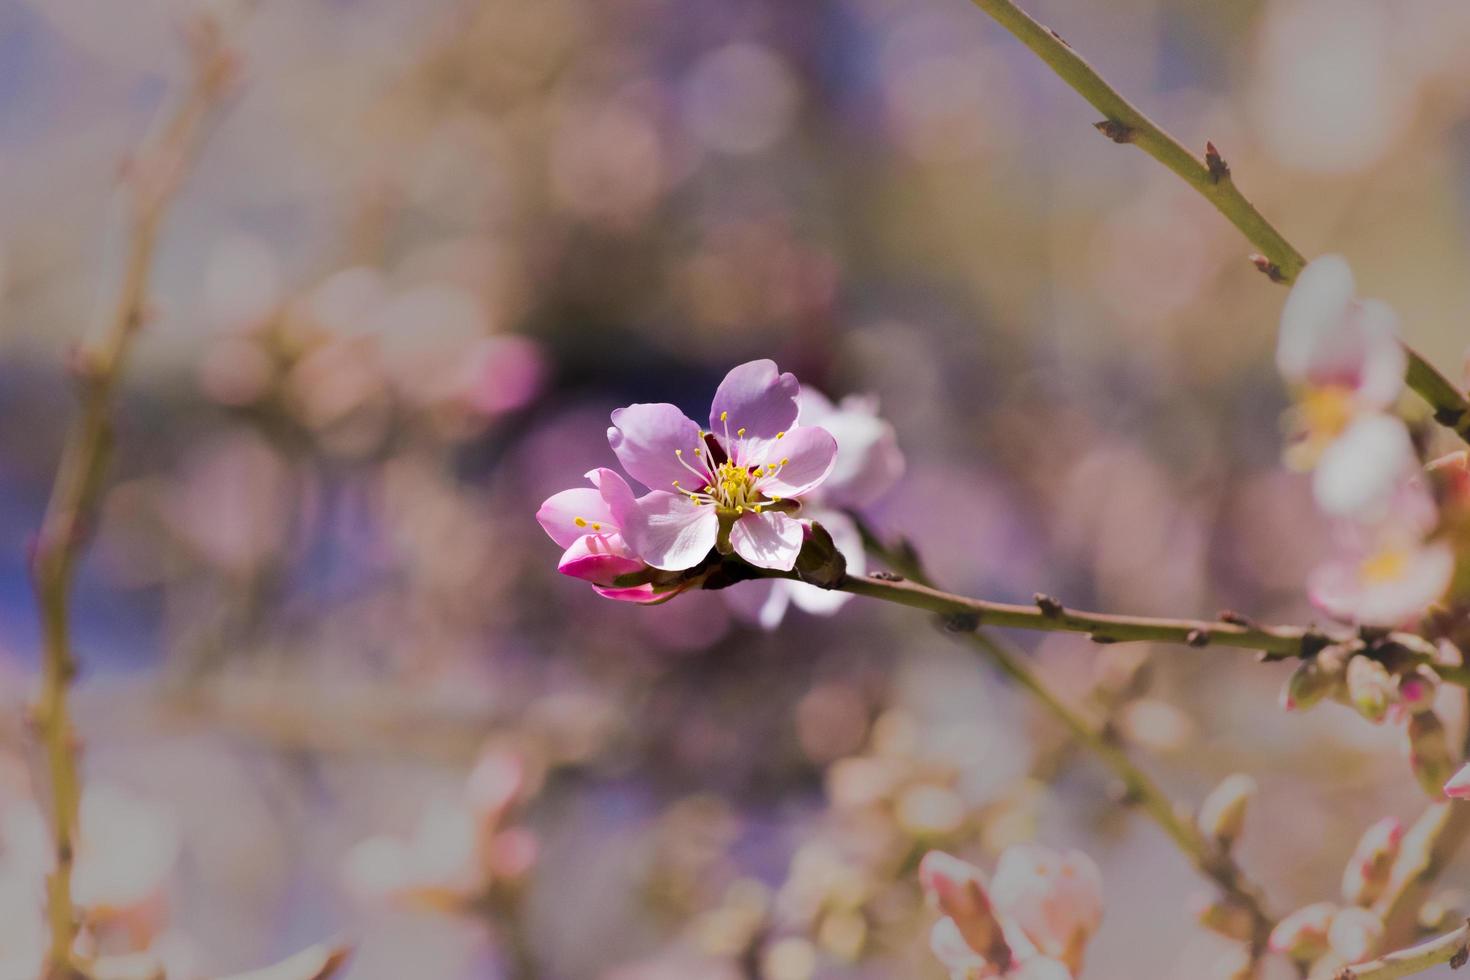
(803, 458)
(616, 493)
(756, 397)
(1340, 588)
(762, 602)
(599, 558)
(869, 461)
(559, 514)
(1381, 374)
(769, 540)
(1458, 788)
(671, 532)
(1359, 471)
(1316, 342)
(647, 440)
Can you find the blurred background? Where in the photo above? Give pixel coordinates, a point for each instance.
(332, 682)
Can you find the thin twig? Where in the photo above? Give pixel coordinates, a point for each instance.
(1209, 859)
(1211, 177)
(1449, 948)
(153, 179)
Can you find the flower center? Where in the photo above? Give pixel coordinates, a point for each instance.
(1326, 411)
(731, 486)
(1386, 566)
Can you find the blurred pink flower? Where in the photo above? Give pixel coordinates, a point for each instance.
(1302, 935)
(1344, 356)
(1386, 573)
(749, 470)
(1033, 921)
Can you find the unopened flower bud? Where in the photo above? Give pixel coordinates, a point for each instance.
(958, 887)
(1302, 935)
(1367, 871)
(1370, 687)
(1315, 678)
(1417, 689)
(1230, 919)
(1222, 815)
(1355, 934)
(1429, 754)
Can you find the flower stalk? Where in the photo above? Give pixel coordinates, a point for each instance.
(1212, 179)
(153, 179)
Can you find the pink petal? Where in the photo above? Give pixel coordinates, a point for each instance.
(762, 602)
(670, 532)
(637, 593)
(1381, 373)
(756, 397)
(558, 515)
(1458, 788)
(1316, 344)
(1339, 588)
(803, 458)
(647, 440)
(616, 493)
(869, 461)
(769, 540)
(599, 558)
(1359, 471)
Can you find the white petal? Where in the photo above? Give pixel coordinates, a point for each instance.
(1359, 471)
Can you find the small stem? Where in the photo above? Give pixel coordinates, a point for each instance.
(1449, 948)
(1125, 123)
(70, 509)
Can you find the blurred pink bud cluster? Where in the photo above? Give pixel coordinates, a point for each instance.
(463, 848)
(1343, 357)
(750, 485)
(1032, 921)
(1327, 935)
(354, 355)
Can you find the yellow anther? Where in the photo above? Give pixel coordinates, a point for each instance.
(580, 522)
(676, 483)
(775, 500)
(740, 431)
(724, 416)
(759, 509)
(596, 526)
(784, 461)
(678, 452)
(739, 509)
(780, 435)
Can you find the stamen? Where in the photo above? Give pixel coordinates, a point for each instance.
(780, 435)
(740, 432)
(596, 526)
(579, 521)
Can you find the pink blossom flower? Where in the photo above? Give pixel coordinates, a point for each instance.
(1302, 935)
(588, 522)
(1344, 357)
(733, 486)
(868, 464)
(1386, 573)
(1056, 898)
(1031, 923)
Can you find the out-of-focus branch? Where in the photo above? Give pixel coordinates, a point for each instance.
(153, 178)
(1211, 177)
(1209, 859)
(1450, 948)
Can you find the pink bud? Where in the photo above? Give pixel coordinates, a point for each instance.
(599, 559)
(1355, 934)
(959, 889)
(1222, 814)
(1367, 872)
(1458, 788)
(1302, 935)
